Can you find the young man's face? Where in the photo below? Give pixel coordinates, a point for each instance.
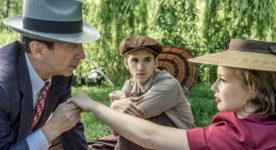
(63, 58)
(229, 92)
(141, 64)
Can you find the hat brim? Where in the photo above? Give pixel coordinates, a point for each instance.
(140, 48)
(239, 59)
(88, 34)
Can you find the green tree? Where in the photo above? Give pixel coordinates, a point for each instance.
(202, 26)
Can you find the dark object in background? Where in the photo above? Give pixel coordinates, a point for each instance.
(94, 77)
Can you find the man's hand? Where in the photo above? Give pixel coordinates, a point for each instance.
(128, 106)
(66, 116)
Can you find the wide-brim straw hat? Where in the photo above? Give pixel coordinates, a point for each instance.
(245, 54)
(55, 20)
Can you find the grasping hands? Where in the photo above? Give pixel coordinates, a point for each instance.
(128, 106)
(116, 95)
(83, 101)
(65, 117)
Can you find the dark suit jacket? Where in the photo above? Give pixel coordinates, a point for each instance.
(16, 101)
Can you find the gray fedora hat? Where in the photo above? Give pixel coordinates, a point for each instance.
(53, 20)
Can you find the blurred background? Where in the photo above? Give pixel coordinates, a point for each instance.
(202, 26)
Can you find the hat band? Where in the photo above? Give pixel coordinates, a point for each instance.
(52, 26)
(251, 46)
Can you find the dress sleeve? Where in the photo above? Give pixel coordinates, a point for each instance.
(162, 96)
(227, 133)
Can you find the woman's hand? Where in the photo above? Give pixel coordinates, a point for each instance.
(128, 106)
(83, 101)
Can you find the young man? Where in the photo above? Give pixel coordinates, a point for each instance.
(36, 76)
(162, 98)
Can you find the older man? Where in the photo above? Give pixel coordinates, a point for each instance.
(36, 76)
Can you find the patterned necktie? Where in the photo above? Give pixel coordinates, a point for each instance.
(40, 103)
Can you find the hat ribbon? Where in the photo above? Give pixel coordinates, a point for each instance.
(46, 26)
(251, 46)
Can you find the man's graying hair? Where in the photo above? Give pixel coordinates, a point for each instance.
(25, 42)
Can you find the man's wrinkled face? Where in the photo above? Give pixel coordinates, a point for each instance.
(63, 58)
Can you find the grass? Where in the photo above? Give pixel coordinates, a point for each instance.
(203, 104)
(201, 99)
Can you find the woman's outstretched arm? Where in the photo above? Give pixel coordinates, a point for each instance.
(137, 130)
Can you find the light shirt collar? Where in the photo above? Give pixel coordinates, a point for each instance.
(36, 81)
(138, 89)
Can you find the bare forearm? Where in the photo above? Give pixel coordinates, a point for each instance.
(140, 131)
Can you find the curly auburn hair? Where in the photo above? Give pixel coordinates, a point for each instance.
(262, 88)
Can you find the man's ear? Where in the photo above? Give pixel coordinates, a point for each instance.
(156, 62)
(126, 63)
(37, 49)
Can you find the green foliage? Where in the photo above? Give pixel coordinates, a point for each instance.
(203, 104)
(8, 8)
(199, 25)
(7, 37)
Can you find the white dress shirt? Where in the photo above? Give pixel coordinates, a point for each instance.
(36, 140)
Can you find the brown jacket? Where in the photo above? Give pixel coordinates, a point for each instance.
(162, 94)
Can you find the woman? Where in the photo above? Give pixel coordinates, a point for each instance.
(245, 92)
